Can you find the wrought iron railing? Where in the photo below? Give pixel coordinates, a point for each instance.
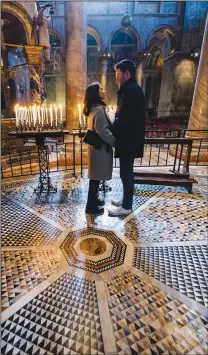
(21, 160)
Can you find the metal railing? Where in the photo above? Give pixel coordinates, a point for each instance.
(21, 160)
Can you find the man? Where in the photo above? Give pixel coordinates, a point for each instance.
(129, 130)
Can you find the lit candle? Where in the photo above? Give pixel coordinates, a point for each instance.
(56, 115)
(51, 114)
(30, 116)
(61, 113)
(19, 114)
(38, 110)
(80, 115)
(46, 112)
(24, 114)
(42, 113)
(84, 121)
(16, 114)
(34, 114)
(83, 117)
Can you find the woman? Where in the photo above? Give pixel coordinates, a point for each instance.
(100, 161)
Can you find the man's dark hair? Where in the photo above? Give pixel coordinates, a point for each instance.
(125, 65)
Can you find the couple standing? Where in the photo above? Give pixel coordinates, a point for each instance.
(126, 134)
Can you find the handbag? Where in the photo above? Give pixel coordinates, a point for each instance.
(92, 138)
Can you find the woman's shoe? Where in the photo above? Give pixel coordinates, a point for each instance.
(95, 210)
(100, 202)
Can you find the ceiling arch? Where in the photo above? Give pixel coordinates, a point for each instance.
(95, 33)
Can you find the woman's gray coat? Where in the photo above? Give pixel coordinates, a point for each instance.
(100, 161)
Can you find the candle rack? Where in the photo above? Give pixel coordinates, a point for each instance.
(39, 118)
(44, 184)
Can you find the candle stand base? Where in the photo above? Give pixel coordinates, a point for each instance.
(45, 185)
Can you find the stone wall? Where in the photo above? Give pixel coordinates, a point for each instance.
(9, 125)
(177, 86)
(105, 17)
(143, 25)
(194, 22)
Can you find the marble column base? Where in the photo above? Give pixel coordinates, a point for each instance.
(69, 160)
(195, 155)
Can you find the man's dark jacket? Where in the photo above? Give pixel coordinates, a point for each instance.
(129, 125)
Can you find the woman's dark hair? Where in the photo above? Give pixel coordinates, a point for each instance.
(92, 98)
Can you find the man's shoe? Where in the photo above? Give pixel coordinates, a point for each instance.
(95, 210)
(117, 203)
(119, 211)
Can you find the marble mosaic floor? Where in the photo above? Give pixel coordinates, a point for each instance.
(75, 284)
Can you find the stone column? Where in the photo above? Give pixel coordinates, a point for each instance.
(152, 89)
(104, 66)
(145, 87)
(7, 95)
(144, 82)
(139, 72)
(76, 60)
(199, 109)
(60, 89)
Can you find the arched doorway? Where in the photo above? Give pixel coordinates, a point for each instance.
(153, 67)
(15, 77)
(94, 45)
(164, 37)
(161, 44)
(123, 41)
(55, 70)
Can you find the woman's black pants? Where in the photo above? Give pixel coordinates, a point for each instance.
(92, 201)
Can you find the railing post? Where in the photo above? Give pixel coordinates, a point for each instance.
(74, 155)
(81, 156)
(187, 158)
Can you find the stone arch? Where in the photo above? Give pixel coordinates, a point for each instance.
(95, 33)
(163, 36)
(155, 60)
(21, 14)
(56, 33)
(131, 31)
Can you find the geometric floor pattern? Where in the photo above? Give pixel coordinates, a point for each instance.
(67, 206)
(115, 258)
(142, 194)
(163, 220)
(147, 321)
(63, 319)
(20, 227)
(184, 268)
(109, 303)
(22, 270)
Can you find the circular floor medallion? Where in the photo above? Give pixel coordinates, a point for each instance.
(93, 246)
